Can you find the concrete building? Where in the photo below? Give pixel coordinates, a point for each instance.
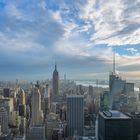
(47, 102)
(7, 103)
(4, 120)
(104, 101)
(129, 88)
(22, 103)
(52, 122)
(22, 97)
(7, 136)
(0, 130)
(19, 138)
(75, 114)
(80, 90)
(90, 90)
(114, 125)
(6, 92)
(22, 111)
(36, 133)
(37, 113)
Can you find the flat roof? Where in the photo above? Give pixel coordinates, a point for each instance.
(88, 138)
(113, 114)
(75, 96)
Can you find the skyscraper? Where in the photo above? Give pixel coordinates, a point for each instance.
(112, 75)
(36, 133)
(37, 114)
(46, 100)
(22, 97)
(116, 85)
(3, 120)
(6, 92)
(117, 88)
(55, 82)
(135, 117)
(75, 114)
(114, 125)
(90, 90)
(22, 111)
(22, 104)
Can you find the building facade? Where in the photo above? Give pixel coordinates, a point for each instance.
(37, 113)
(75, 115)
(114, 125)
(3, 120)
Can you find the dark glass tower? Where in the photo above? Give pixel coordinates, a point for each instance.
(75, 115)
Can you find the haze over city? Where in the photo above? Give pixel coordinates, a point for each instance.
(81, 36)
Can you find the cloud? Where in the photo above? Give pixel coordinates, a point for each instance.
(125, 60)
(115, 22)
(23, 31)
(95, 75)
(132, 51)
(130, 75)
(80, 34)
(26, 39)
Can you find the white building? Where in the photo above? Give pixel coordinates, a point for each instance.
(37, 113)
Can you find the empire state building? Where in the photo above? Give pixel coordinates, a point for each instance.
(55, 82)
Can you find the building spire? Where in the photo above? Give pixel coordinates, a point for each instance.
(65, 77)
(55, 66)
(114, 63)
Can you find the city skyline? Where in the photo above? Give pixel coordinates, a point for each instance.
(81, 36)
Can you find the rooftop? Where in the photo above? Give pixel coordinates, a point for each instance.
(134, 115)
(75, 96)
(114, 114)
(88, 138)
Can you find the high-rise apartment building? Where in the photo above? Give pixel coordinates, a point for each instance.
(75, 115)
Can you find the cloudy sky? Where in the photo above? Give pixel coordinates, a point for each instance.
(80, 35)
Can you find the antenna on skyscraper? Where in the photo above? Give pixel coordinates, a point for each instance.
(65, 76)
(114, 63)
(55, 65)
